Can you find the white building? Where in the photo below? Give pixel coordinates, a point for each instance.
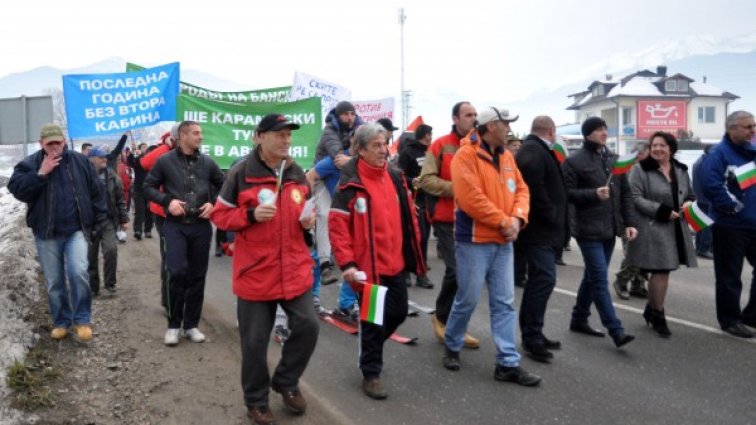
(644, 102)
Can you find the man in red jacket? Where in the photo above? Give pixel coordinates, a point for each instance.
(262, 201)
(373, 228)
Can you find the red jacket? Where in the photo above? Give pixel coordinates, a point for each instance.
(351, 229)
(147, 162)
(271, 259)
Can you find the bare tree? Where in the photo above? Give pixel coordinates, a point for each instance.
(59, 107)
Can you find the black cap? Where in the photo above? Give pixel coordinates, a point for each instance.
(592, 124)
(387, 124)
(275, 122)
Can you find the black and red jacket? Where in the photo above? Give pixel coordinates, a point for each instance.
(351, 229)
(271, 259)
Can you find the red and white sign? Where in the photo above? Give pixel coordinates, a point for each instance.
(373, 110)
(661, 115)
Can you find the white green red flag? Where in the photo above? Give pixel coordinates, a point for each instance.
(373, 303)
(560, 152)
(746, 175)
(624, 163)
(696, 218)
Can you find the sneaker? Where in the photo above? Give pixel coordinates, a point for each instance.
(172, 337)
(346, 315)
(319, 309)
(328, 274)
(138, 236)
(111, 289)
(59, 333)
(148, 235)
(281, 334)
(424, 282)
(83, 332)
(194, 335)
(620, 288)
(517, 375)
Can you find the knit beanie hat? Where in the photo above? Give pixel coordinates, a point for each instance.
(592, 124)
(344, 106)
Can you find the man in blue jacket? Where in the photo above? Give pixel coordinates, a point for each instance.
(65, 205)
(734, 213)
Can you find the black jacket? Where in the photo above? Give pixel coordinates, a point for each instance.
(194, 179)
(411, 160)
(547, 221)
(139, 173)
(38, 192)
(113, 188)
(585, 171)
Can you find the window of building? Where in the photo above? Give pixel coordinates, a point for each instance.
(682, 86)
(670, 85)
(706, 114)
(627, 116)
(598, 90)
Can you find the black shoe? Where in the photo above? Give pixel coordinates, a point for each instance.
(638, 289)
(424, 282)
(656, 320)
(138, 236)
(538, 352)
(739, 330)
(560, 262)
(517, 375)
(622, 338)
(218, 251)
(705, 255)
(551, 344)
(620, 288)
(585, 328)
(520, 283)
(374, 388)
(148, 235)
(451, 359)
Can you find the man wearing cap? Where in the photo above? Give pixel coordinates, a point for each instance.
(188, 180)
(604, 210)
(411, 159)
(435, 180)
(118, 218)
(340, 122)
(544, 235)
(389, 126)
(65, 204)
(262, 201)
(492, 206)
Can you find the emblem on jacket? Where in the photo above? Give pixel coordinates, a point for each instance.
(360, 205)
(296, 196)
(266, 197)
(511, 185)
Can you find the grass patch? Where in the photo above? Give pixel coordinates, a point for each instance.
(30, 381)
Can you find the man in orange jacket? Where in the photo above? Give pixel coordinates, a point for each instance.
(492, 203)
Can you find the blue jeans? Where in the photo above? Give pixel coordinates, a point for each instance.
(478, 264)
(315, 272)
(58, 257)
(347, 297)
(594, 287)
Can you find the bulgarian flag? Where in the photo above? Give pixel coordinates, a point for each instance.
(696, 218)
(560, 152)
(624, 163)
(373, 303)
(746, 175)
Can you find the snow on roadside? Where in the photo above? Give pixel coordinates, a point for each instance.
(19, 271)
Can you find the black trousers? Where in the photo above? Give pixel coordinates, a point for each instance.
(187, 251)
(163, 269)
(142, 214)
(373, 336)
(256, 320)
(535, 297)
(520, 264)
(425, 227)
(445, 239)
(107, 239)
(731, 246)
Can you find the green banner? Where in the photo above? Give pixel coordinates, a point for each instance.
(227, 128)
(271, 95)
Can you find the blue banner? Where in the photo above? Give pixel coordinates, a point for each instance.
(100, 104)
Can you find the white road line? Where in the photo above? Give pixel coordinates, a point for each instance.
(669, 318)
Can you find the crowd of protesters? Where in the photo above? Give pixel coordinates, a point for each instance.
(363, 218)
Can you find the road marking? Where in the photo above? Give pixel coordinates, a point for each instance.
(669, 318)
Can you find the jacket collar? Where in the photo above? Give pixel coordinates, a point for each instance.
(650, 164)
(256, 168)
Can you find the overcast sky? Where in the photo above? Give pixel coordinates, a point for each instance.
(488, 52)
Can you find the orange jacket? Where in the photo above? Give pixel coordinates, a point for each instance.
(484, 195)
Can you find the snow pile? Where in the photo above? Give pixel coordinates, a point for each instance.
(19, 291)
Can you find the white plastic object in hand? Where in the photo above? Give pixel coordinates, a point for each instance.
(360, 276)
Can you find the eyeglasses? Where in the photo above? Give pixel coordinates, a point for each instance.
(748, 127)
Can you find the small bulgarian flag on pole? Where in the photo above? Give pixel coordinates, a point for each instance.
(624, 163)
(373, 302)
(746, 175)
(560, 152)
(696, 218)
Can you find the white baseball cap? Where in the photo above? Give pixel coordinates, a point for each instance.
(490, 114)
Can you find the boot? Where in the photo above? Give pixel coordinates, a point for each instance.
(659, 323)
(638, 288)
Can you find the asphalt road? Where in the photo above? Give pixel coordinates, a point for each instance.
(699, 376)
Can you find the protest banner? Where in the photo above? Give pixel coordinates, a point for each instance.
(308, 86)
(373, 110)
(228, 128)
(270, 95)
(102, 104)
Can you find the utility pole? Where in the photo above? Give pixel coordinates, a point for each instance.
(405, 95)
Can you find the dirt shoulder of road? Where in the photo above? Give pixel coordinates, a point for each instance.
(126, 375)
